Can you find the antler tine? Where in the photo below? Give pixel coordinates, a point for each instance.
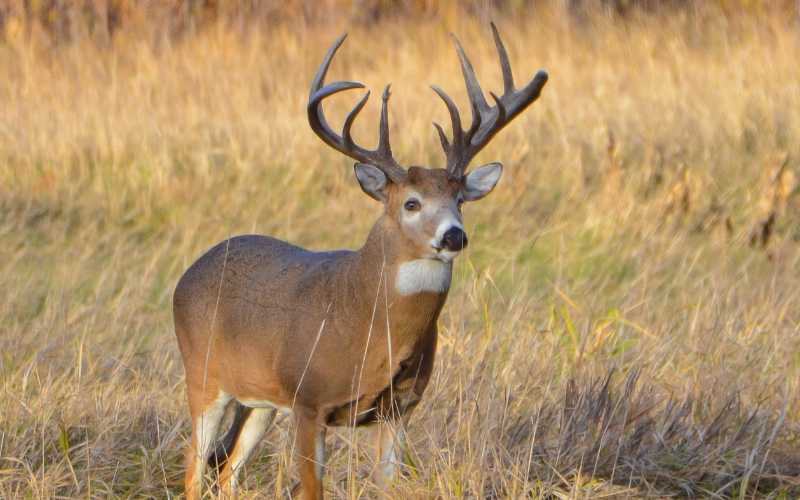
(486, 120)
(455, 117)
(505, 65)
(319, 77)
(474, 91)
(457, 145)
(380, 157)
(383, 141)
(442, 137)
(351, 118)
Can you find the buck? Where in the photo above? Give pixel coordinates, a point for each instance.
(339, 338)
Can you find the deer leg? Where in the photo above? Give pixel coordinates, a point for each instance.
(311, 456)
(252, 430)
(219, 458)
(390, 440)
(205, 425)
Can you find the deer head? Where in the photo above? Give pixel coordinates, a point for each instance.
(425, 203)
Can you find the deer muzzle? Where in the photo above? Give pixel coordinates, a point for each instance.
(454, 239)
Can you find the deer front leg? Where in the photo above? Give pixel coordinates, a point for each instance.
(311, 456)
(389, 443)
(408, 389)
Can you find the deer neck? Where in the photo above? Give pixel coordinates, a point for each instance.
(388, 257)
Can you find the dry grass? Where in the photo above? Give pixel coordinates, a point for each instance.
(614, 329)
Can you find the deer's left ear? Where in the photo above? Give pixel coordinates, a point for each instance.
(481, 181)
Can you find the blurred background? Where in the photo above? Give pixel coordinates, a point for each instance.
(625, 322)
(104, 19)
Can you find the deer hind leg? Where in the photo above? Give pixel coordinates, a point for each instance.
(205, 425)
(311, 457)
(219, 458)
(252, 428)
(390, 440)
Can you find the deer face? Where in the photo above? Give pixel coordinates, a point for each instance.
(426, 205)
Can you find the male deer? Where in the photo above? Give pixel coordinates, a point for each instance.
(341, 337)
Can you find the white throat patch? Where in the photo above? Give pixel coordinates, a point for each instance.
(423, 275)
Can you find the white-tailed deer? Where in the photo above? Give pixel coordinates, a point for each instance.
(342, 337)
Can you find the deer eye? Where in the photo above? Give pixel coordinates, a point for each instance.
(412, 205)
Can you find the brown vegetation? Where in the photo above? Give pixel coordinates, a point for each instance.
(627, 317)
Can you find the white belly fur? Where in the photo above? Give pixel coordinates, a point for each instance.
(253, 403)
(423, 275)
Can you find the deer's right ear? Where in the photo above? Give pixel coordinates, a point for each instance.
(372, 180)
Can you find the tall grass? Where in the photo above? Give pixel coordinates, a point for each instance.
(626, 321)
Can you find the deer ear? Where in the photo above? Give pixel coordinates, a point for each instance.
(372, 180)
(481, 181)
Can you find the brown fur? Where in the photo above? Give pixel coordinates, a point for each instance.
(255, 316)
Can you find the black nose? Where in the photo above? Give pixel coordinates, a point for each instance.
(454, 239)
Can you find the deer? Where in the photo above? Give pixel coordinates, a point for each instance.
(344, 337)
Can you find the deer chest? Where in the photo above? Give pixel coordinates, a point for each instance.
(399, 397)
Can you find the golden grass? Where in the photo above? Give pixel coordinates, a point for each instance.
(618, 242)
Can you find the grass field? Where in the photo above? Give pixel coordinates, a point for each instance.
(625, 322)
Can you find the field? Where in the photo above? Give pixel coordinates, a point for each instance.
(625, 322)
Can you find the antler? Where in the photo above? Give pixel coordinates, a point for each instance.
(486, 120)
(380, 157)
